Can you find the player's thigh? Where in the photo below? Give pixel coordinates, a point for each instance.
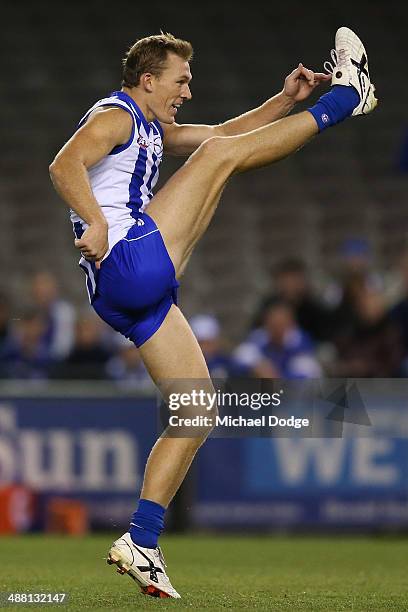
(184, 206)
(173, 351)
(176, 363)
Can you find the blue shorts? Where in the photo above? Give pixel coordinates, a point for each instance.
(136, 284)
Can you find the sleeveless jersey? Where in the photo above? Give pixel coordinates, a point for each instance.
(122, 182)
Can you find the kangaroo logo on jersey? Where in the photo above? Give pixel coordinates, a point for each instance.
(140, 221)
(158, 146)
(142, 142)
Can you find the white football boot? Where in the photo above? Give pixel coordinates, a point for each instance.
(145, 565)
(349, 66)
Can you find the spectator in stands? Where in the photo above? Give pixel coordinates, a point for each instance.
(6, 332)
(28, 357)
(371, 346)
(345, 315)
(127, 367)
(291, 283)
(58, 314)
(206, 329)
(399, 312)
(284, 347)
(403, 153)
(355, 260)
(89, 356)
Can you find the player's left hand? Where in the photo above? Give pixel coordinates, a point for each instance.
(300, 83)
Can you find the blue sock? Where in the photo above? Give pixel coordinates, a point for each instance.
(147, 523)
(334, 106)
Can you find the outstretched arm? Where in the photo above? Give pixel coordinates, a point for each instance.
(299, 84)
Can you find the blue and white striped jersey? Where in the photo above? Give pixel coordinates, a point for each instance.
(122, 182)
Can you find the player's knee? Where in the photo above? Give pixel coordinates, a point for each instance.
(218, 149)
(194, 425)
(208, 424)
(203, 431)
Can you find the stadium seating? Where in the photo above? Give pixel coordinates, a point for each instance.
(59, 62)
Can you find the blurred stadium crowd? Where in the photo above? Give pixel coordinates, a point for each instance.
(350, 182)
(352, 325)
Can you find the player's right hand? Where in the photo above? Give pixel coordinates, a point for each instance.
(94, 242)
(300, 83)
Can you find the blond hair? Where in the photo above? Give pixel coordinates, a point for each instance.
(150, 54)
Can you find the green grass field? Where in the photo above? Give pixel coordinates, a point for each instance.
(218, 573)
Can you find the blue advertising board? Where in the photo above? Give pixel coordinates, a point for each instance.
(303, 482)
(94, 449)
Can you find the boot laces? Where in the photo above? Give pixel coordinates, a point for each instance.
(161, 556)
(338, 60)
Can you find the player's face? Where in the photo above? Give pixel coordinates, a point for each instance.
(171, 89)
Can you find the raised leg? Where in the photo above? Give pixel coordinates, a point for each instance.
(183, 208)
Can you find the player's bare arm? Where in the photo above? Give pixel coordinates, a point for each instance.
(299, 84)
(105, 129)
